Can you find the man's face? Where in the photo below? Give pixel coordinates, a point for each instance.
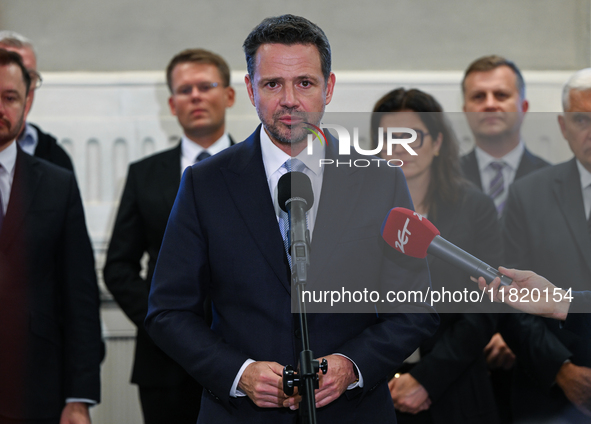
(495, 98)
(12, 103)
(575, 125)
(30, 62)
(288, 89)
(200, 110)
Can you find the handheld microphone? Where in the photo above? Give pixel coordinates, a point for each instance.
(295, 196)
(411, 234)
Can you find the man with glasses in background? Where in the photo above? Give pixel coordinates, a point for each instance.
(31, 139)
(199, 83)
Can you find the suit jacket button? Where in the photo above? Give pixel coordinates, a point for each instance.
(298, 334)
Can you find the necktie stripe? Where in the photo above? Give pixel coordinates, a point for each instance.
(496, 189)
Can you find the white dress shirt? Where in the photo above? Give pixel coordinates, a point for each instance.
(585, 187)
(7, 165)
(29, 139)
(190, 150)
(511, 160)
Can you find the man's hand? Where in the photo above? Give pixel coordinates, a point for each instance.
(262, 382)
(341, 373)
(575, 382)
(498, 354)
(75, 413)
(408, 394)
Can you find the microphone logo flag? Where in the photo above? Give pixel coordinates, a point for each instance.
(402, 238)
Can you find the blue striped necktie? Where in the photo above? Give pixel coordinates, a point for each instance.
(203, 155)
(496, 189)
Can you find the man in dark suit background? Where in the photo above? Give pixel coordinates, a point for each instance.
(495, 105)
(199, 83)
(224, 240)
(49, 306)
(32, 139)
(546, 230)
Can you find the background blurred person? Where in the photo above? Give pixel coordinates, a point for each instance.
(546, 230)
(448, 378)
(200, 93)
(31, 138)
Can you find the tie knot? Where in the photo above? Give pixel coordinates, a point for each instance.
(497, 165)
(203, 155)
(294, 165)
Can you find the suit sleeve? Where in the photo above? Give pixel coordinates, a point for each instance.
(84, 348)
(383, 346)
(176, 316)
(126, 248)
(538, 350)
(578, 319)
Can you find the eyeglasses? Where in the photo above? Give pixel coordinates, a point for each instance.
(202, 87)
(417, 144)
(36, 80)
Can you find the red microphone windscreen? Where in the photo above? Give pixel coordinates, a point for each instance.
(408, 232)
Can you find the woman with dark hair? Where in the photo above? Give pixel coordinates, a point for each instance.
(446, 381)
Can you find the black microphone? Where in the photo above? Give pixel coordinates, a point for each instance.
(295, 196)
(411, 234)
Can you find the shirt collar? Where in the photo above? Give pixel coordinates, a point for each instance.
(190, 150)
(274, 157)
(585, 176)
(8, 158)
(28, 139)
(511, 159)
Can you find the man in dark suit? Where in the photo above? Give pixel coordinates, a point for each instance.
(495, 106)
(49, 306)
(546, 230)
(224, 240)
(32, 139)
(199, 83)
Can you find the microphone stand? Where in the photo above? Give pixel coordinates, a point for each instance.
(306, 380)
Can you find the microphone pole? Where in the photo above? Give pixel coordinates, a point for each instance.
(296, 197)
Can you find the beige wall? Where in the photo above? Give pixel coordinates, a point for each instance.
(116, 35)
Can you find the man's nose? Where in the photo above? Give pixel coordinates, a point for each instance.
(289, 98)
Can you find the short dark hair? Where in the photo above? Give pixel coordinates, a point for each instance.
(288, 30)
(488, 63)
(446, 175)
(198, 56)
(10, 58)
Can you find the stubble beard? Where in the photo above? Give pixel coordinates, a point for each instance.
(286, 134)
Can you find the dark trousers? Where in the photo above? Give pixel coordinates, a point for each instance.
(165, 405)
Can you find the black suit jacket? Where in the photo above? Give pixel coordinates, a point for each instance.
(223, 240)
(545, 230)
(49, 306)
(48, 149)
(529, 163)
(151, 187)
(452, 367)
(578, 319)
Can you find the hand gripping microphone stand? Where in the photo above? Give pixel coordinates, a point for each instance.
(295, 197)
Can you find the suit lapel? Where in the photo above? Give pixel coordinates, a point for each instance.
(526, 165)
(27, 176)
(470, 169)
(340, 190)
(247, 184)
(171, 176)
(567, 190)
